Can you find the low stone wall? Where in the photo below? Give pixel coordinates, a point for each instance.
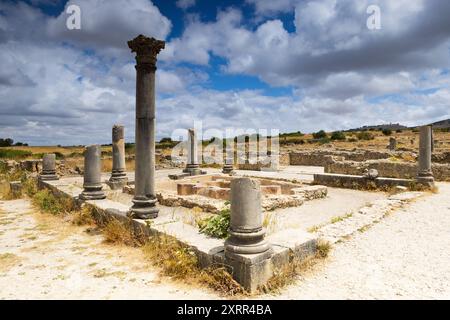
(27, 165)
(284, 159)
(443, 157)
(322, 158)
(359, 182)
(386, 168)
(311, 159)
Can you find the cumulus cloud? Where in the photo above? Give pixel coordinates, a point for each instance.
(70, 87)
(106, 24)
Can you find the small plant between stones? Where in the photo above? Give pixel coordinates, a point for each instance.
(216, 226)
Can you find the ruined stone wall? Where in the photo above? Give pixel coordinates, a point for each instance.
(27, 165)
(443, 157)
(323, 157)
(386, 168)
(284, 159)
(310, 159)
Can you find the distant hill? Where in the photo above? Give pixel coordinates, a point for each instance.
(443, 124)
(390, 126)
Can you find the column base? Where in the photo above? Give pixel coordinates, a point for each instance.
(193, 170)
(250, 270)
(246, 243)
(48, 177)
(92, 194)
(118, 176)
(427, 180)
(143, 208)
(117, 180)
(227, 169)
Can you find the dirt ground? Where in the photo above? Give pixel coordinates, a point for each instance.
(404, 256)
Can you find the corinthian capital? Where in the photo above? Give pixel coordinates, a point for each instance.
(146, 49)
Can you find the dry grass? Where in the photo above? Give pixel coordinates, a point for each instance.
(8, 260)
(83, 217)
(180, 262)
(173, 258)
(117, 233)
(341, 218)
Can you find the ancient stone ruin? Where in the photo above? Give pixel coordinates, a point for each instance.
(275, 198)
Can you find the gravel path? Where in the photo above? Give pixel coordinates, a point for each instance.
(42, 257)
(405, 256)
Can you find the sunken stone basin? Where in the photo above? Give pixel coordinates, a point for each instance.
(212, 192)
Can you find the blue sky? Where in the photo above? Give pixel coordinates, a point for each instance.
(291, 65)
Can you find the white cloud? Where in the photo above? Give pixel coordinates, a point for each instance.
(185, 4)
(52, 92)
(109, 24)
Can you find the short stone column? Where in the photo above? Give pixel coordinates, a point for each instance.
(229, 159)
(246, 222)
(192, 166)
(118, 176)
(48, 167)
(92, 183)
(144, 201)
(425, 174)
(392, 144)
(246, 250)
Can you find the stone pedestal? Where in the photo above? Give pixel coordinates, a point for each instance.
(227, 168)
(118, 176)
(229, 159)
(392, 144)
(192, 165)
(246, 250)
(425, 174)
(144, 201)
(92, 183)
(48, 167)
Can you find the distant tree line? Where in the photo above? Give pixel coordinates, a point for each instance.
(8, 142)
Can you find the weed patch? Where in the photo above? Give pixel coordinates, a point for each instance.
(216, 226)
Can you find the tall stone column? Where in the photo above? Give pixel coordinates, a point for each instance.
(92, 182)
(118, 175)
(48, 167)
(144, 201)
(246, 221)
(425, 174)
(192, 166)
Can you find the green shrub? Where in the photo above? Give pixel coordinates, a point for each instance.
(324, 140)
(365, 136)
(320, 134)
(387, 132)
(46, 201)
(338, 135)
(14, 154)
(217, 225)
